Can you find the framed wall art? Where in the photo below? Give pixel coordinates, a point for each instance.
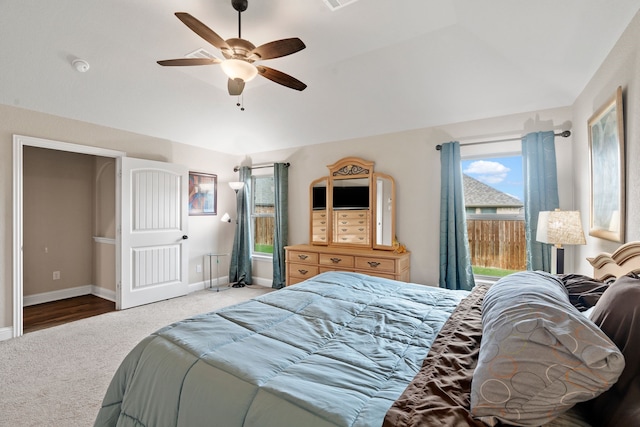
(202, 193)
(607, 168)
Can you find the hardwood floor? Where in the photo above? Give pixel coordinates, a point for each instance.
(55, 313)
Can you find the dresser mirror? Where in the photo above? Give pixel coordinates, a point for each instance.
(384, 196)
(319, 216)
(353, 207)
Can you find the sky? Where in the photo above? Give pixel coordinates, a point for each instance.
(502, 173)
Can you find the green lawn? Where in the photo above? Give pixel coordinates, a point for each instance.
(490, 271)
(265, 249)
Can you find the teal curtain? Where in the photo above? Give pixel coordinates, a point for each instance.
(455, 259)
(240, 266)
(540, 193)
(280, 232)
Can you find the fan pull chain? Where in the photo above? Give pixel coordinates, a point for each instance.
(240, 102)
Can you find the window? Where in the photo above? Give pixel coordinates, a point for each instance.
(262, 214)
(494, 204)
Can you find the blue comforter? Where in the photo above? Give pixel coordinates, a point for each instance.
(336, 350)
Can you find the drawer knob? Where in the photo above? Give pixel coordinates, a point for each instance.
(335, 260)
(373, 264)
(302, 256)
(344, 229)
(303, 271)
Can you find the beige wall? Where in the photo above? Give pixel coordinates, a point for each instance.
(58, 219)
(620, 68)
(104, 227)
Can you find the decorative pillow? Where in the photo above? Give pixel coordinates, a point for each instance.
(584, 291)
(617, 313)
(538, 356)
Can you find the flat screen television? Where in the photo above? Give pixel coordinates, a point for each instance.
(319, 201)
(351, 197)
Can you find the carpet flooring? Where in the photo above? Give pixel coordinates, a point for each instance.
(58, 376)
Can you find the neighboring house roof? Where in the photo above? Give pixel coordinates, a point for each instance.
(478, 194)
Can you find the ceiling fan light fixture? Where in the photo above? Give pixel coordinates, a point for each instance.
(239, 69)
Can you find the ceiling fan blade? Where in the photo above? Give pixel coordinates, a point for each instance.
(281, 78)
(279, 48)
(202, 30)
(189, 61)
(235, 86)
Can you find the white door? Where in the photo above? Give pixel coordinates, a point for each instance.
(153, 232)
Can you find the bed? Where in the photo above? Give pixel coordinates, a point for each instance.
(346, 349)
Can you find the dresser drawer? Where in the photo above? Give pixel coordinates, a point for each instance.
(319, 237)
(377, 264)
(341, 222)
(360, 239)
(319, 214)
(352, 229)
(321, 222)
(304, 257)
(344, 261)
(352, 214)
(319, 229)
(293, 280)
(302, 271)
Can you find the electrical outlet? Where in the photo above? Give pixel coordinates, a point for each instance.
(56, 275)
(199, 268)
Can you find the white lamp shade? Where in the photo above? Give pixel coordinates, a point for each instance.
(239, 69)
(225, 218)
(236, 185)
(560, 228)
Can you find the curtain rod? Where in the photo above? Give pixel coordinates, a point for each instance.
(237, 168)
(563, 134)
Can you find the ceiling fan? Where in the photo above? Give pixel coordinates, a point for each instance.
(240, 54)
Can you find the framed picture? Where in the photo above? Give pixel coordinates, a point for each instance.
(607, 167)
(202, 193)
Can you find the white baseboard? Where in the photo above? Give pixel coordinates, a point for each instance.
(56, 295)
(260, 281)
(6, 333)
(78, 291)
(104, 293)
(224, 280)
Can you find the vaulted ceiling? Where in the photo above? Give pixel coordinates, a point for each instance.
(372, 67)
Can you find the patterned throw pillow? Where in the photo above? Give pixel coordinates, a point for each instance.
(539, 355)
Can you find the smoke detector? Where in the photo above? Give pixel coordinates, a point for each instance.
(80, 65)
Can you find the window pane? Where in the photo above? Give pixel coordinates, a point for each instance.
(263, 214)
(493, 193)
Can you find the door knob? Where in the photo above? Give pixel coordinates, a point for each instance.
(185, 237)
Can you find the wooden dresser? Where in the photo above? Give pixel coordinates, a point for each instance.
(305, 261)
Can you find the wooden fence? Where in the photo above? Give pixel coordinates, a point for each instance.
(264, 230)
(498, 243)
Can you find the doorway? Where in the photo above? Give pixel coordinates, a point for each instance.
(45, 248)
(151, 224)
